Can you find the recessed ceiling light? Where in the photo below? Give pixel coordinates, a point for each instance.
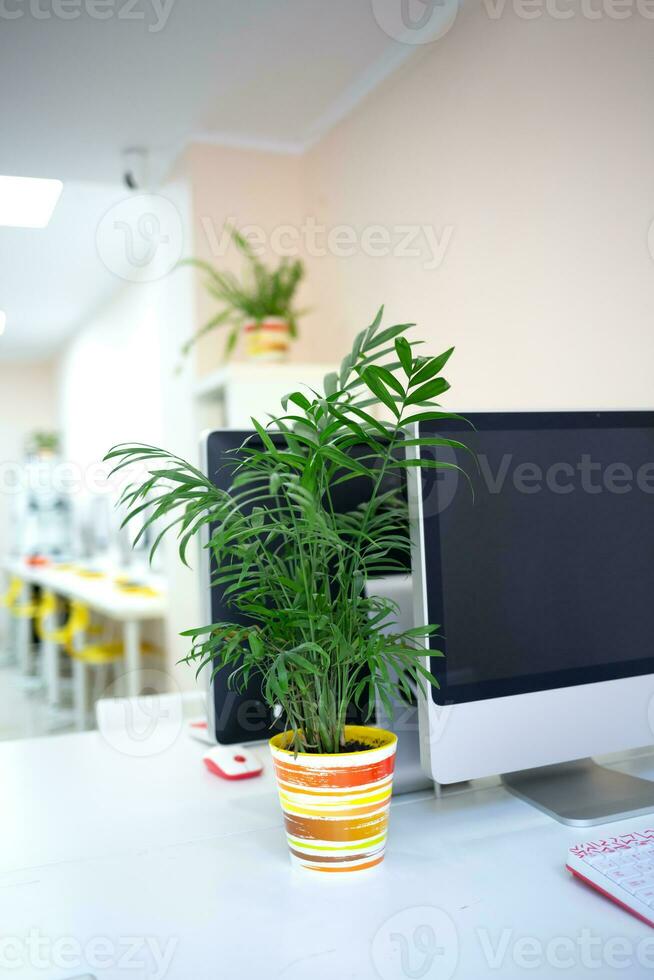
(3, 321)
(28, 202)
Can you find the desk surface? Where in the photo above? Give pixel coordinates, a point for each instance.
(101, 594)
(157, 852)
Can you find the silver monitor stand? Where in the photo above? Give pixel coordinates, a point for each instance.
(409, 774)
(582, 793)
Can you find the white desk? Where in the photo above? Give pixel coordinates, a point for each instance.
(98, 844)
(101, 595)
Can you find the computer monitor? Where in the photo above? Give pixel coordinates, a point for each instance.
(242, 716)
(539, 567)
(234, 716)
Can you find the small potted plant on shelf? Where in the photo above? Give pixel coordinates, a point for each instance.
(43, 443)
(260, 306)
(295, 567)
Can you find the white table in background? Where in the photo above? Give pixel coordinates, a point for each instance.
(104, 597)
(96, 843)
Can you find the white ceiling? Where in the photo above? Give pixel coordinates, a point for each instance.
(50, 278)
(74, 93)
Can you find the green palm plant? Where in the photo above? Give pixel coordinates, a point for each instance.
(43, 441)
(260, 294)
(286, 556)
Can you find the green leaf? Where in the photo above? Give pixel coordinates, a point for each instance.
(346, 368)
(376, 386)
(256, 646)
(265, 438)
(298, 399)
(435, 441)
(404, 355)
(422, 630)
(432, 389)
(232, 341)
(435, 416)
(388, 334)
(372, 329)
(331, 383)
(388, 379)
(432, 367)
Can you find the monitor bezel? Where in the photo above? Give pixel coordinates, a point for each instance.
(430, 561)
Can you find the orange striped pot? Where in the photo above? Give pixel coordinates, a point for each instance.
(336, 805)
(267, 340)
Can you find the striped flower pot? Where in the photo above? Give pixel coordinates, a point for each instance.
(267, 340)
(336, 806)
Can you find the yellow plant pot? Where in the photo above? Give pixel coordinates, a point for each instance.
(267, 340)
(336, 805)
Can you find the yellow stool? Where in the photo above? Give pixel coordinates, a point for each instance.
(22, 611)
(11, 599)
(102, 655)
(7, 601)
(12, 595)
(51, 638)
(91, 653)
(79, 621)
(48, 608)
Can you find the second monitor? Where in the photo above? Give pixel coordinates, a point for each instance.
(540, 570)
(242, 716)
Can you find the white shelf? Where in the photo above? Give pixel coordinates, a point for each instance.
(232, 395)
(243, 372)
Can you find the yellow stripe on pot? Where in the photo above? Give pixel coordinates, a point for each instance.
(293, 839)
(328, 792)
(368, 809)
(343, 802)
(346, 847)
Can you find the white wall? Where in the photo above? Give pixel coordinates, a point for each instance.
(118, 383)
(27, 402)
(109, 378)
(174, 298)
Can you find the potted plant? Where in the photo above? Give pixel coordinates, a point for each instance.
(295, 567)
(43, 443)
(260, 306)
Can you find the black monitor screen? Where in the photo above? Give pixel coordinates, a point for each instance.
(540, 565)
(241, 715)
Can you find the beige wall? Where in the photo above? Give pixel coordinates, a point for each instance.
(251, 189)
(527, 149)
(27, 402)
(533, 140)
